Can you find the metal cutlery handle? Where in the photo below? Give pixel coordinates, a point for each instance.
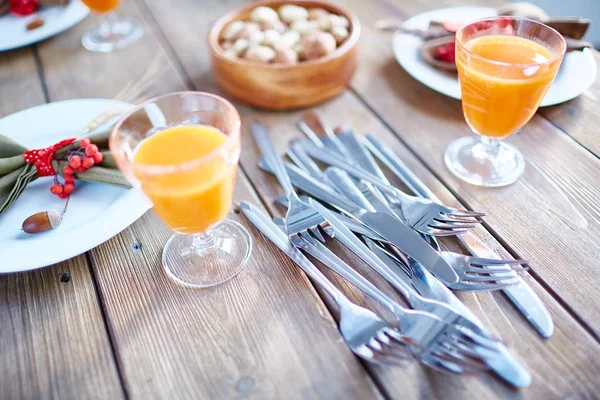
(344, 235)
(323, 254)
(333, 159)
(341, 180)
(314, 187)
(261, 136)
(391, 160)
(268, 228)
(301, 158)
(321, 134)
(362, 156)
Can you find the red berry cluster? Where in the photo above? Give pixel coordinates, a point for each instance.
(23, 7)
(446, 52)
(80, 160)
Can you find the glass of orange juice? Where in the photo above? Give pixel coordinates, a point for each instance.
(181, 150)
(505, 67)
(113, 33)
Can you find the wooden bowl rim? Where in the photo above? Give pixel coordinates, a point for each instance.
(219, 25)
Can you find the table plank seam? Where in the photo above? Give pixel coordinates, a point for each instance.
(40, 70)
(109, 333)
(569, 310)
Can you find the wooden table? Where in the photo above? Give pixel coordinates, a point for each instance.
(120, 328)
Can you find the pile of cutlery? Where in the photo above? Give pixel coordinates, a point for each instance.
(395, 234)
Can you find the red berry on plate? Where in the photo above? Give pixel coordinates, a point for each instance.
(91, 150)
(68, 188)
(80, 169)
(63, 195)
(87, 162)
(75, 161)
(56, 189)
(68, 170)
(69, 179)
(98, 158)
(84, 142)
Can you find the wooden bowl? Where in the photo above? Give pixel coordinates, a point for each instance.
(283, 87)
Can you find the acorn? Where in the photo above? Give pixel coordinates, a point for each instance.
(42, 221)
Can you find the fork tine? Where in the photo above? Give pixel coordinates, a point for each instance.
(449, 352)
(493, 261)
(394, 349)
(465, 213)
(448, 367)
(489, 269)
(446, 225)
(382, 353)
(317, 233)
(446, 232)
(451, 218)
(464, 334)
(483, 287)
(488, 278)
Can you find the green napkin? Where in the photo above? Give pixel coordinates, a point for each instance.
(16, 173)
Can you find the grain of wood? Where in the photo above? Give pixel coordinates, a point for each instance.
(554, 378)
(20, 85)
(53, 342)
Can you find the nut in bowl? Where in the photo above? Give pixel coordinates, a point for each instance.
(285, 54)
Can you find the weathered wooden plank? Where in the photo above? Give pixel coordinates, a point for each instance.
(54, 343)
(545, 358)
(20, 85)
(265, 334)
(549, 217)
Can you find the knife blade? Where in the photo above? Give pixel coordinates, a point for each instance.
(521, 295)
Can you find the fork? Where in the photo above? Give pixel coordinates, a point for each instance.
(423, 215)
(434, 340)
(367, 335)
(300, 216)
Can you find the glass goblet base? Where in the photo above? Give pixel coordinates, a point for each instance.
(207, 259)
(484, 162)
(112, 35)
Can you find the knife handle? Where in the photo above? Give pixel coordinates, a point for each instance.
(393, 162)
(358, 150)
(314, 187)
(301, 158)
(345, 185)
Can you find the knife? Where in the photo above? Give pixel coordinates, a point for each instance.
(507, 366)
(392, 229)
(522, 295)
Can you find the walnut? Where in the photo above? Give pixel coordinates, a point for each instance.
(318, 44)
(262, 54)
(339, 33)
(263, 14)
(233, 29)
(276, 25)
(287, 40)
(290, 13)
(285, 57)
(240, 46)
(271, 37)
(248, 29)
(315, 14)
(304, 27)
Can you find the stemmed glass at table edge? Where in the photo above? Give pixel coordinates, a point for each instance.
(485, 168)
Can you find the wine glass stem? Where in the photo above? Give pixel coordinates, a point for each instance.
(491, 145)
(203, 241)
(107, 24)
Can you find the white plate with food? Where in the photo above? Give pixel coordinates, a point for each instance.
(14, 32)
(575, 76)
(96, 212)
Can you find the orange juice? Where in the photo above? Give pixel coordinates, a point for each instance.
(192, 182)
(499, 98)
(101, 6)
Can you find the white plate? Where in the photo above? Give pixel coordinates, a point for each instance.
(96, 212)
(14, 34)
(575, 76)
